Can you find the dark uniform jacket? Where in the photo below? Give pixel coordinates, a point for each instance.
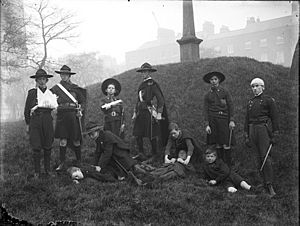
(115, 113)
(217, 171)
(31, 101)
(67, 124)
(65, 102)
(110, 146)
(114, 116)
(41, 134)
(186, 142)
(148, 90)
(218, 103)
(260, 109)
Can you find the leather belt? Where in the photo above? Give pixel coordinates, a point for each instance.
(67, 105)
(113, 113)
(258, 122)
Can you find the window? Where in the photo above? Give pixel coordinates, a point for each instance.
(279, 40)
(263, 42)
(264, 57)
(248, 45)
(230, 49)
(279, 58)
(217, 49)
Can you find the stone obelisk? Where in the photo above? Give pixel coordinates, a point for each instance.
(189, 43)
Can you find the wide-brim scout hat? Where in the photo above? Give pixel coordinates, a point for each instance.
(209, 75)
(146, 67)
(41, 73)
(65, 70)
(109, 81)
(91, 127)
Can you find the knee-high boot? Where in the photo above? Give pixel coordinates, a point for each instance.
(140, 144)
(154, 146)
(227, 157)
(47, 159)
(62, 157)
(37, 161)
(77, 150)
(141, 155)
(220, 153)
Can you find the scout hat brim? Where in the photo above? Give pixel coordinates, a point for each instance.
(40, 73)
(146, 67)
(209, 75)
(92, 129)
(109, 81)
(41, 76)
(65, 70)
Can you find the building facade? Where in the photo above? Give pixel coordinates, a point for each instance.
(271, 40)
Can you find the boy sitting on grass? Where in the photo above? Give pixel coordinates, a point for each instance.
(217, 172)
(173, 169)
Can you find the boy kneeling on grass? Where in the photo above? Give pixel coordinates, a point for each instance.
(217, 172)
(113, 153)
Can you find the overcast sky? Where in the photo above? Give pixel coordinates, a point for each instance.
(117, 26)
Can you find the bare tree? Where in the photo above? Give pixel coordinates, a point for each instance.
(50, 24)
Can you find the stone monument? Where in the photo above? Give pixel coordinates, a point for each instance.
(189, 43)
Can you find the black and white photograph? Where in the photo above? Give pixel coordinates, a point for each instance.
(149, 112)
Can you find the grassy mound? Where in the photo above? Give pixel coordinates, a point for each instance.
(180, 202)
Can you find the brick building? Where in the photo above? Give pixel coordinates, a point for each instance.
(270, 40)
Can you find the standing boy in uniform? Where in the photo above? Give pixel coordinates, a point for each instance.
(262, 109)
(145, 124)
(113, 113)
(218, 115)
(71, 102)
(40, 102)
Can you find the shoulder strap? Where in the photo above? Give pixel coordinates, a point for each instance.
(67, 92)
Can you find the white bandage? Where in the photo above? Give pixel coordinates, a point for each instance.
(231, 189)
(257, 81)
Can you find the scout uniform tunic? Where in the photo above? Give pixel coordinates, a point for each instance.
(218, 112)
(114, 116)
(261, 110)
(40, 121)
(144, 126)
(109, 147)
(67, 124)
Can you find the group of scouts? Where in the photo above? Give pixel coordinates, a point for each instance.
(112, 159)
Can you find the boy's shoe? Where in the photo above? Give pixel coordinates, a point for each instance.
(271, 190)
(61, 167)
(120, 178)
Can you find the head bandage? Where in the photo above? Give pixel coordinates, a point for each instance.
(77, 174)
(258, 81)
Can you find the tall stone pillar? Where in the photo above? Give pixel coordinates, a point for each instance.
(189, 43)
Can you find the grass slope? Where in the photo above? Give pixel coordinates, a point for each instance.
(179, 202)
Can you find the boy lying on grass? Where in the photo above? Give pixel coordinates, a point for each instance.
(218, 173)
(89, 171)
